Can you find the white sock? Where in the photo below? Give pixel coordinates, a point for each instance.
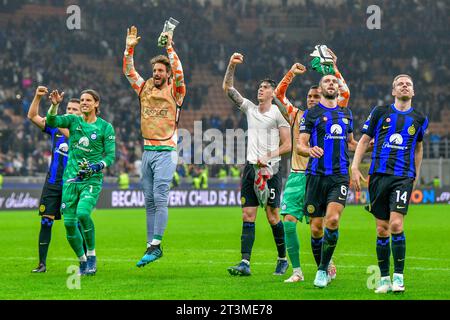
(246, 261)
(90, 253)
(285, 259)
(155, 242)
(83, 258)
(297, 270)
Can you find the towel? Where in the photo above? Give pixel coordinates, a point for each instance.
(262, 175)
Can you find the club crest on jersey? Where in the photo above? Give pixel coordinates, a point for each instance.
(412, 130)
(93, 136)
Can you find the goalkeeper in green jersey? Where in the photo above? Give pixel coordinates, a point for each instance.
(91, 149)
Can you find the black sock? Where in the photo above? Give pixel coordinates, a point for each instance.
(384, 255)
(399, 251)
(316, 246)
(45, 236)
(329, 244)
(247, 239)
(278, 235)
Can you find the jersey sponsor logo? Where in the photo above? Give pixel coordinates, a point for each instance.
(302, 127)
(94, 136)
(395, 142)
(365, 127)
(58, 135)
(310, 208)
(63, 149)
(335, 132)
(112, 138)
(345, 120)
(82, 144)
(84, 141)
(412, 130)
(156, 113)
(396, 139)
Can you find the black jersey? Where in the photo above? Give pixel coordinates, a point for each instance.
(395, 134)
(329, 130)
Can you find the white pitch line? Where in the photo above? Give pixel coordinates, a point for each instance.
(339, 266)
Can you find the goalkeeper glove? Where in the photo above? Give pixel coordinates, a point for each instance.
(87, 170)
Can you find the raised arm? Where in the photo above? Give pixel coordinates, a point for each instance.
(33, 112)
(228, 85)
(135, 79)
(53, 120)
(178, 85)
(344, 91)
(286, 108)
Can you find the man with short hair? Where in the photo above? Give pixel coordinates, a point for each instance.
(91, 149)
(398, 130)
(268, 139)
(50, 203)
(326, 136)
(294, 194)
(160, 99)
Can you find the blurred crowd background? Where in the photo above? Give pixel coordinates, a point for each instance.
(39, 49)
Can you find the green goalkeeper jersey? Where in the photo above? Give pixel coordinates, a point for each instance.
(94, 142)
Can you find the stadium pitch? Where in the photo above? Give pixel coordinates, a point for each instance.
(199, 245)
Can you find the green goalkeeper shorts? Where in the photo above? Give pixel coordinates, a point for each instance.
(79, 199)
(294, 196)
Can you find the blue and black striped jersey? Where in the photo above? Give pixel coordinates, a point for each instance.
(60, 148)
(329, 130)
(395, 134)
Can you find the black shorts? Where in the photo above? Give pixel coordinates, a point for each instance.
(321, 190)
(248, 195)
(50, 204)
(389, 193)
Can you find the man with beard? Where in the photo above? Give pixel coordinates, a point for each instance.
(326, 136)
(160, 98)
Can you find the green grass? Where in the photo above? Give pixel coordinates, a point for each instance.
(199, 245)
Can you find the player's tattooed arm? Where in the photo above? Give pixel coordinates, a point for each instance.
(235, 96)
(228, 81)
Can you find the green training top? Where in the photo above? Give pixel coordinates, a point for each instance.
(95, 142)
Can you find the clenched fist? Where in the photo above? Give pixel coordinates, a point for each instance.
(236, 58)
